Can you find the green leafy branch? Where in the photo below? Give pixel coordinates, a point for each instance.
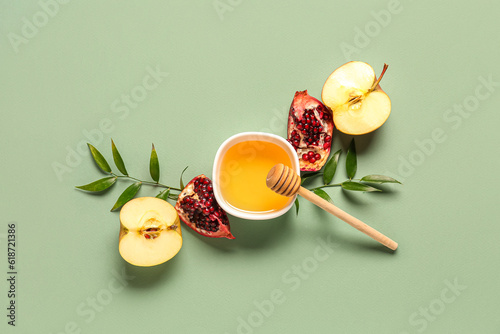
(364, 184)
(129, 193)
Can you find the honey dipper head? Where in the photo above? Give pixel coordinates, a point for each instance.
(283, 180)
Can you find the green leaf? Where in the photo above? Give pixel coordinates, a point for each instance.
(331, 167)
(118, 159)
(306, 176)
(321, 193)
(127, 195)
(297, 206)
(99, 185)
(182, 183)
(379, 179)
(99, 159)
(351, 164)
(356, 186)
(164, 194)
(154, 165)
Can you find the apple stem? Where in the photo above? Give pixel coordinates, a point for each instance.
(375, 84)
(379, 78)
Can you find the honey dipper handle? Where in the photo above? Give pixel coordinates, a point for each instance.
(354, 222)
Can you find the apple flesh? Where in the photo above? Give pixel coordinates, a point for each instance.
(358, 103)
(150, 232)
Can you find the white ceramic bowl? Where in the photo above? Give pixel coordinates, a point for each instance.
(247, 136)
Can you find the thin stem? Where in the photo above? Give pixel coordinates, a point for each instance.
(334, 185)
(327, 186)
(379, 78)
(373, 87)
(156, 184)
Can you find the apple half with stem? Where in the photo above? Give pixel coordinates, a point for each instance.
(353, 93)
(150, 232)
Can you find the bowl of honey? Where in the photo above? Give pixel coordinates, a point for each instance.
(240, 170)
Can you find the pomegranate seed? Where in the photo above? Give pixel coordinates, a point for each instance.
(306, 126)
(312, 160)
(311, 153)
(328, 138)
(305, 157)
(147, 236)
(317, 156)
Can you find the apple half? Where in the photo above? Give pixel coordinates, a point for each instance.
(150, 232)
(358, 103)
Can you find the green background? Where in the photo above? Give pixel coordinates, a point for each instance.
(237, 72)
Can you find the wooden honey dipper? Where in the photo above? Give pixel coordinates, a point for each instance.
(284, 181)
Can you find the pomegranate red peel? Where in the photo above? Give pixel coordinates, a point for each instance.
(200, 211)
(310, 128)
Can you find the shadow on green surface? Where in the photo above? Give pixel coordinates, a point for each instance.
(253, 234)
(147, 277)
(250, 234)
(357, 242)
(221, 244)
(352, 197)
(92, 193)
(327, 227)
(363, 142)
(374, 246)
(387, 189)
(360, 244)
(144, 277)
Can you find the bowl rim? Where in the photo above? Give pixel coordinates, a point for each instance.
(247, 136)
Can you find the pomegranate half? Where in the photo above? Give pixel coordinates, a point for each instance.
(200, 211)
(310, 128)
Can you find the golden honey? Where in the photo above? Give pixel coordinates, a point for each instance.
(243, 172)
